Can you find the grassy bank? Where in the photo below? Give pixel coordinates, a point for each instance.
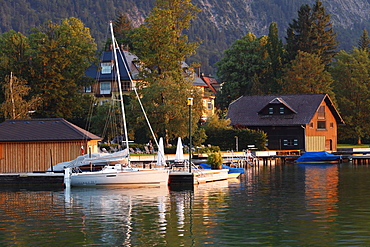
(353, 146)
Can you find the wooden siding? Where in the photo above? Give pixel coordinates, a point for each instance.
(329, 132)
(315, 143)
(39, 156)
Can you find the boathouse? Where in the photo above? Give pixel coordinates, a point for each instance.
(292, 122)
(28, 145)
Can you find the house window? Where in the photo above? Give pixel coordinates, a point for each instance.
(271, 110)
(321, 112)
(210, 106)
(106, 68)
(88, 89)
(105, 87)
(311, 125)
(321, 124)
(281, 110)
(290, 142)
(331, 125)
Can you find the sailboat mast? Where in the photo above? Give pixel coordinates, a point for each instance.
(120, 89)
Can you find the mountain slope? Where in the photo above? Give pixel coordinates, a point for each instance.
(220, 22)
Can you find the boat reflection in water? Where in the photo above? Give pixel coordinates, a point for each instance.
(115, 210)
(118, 213)
(321, 190)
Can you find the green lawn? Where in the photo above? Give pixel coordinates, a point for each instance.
(353, 146)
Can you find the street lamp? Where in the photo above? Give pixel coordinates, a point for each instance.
(190, 103)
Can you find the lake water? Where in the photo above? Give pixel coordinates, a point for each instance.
(283, 205)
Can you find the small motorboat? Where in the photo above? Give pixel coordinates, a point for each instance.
(319, 157)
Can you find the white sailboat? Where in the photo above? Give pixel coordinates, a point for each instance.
(119, 174)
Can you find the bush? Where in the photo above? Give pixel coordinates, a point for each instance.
(225, 139)
(215, 160)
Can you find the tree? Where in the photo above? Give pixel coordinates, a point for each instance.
(312, 32)
(122, 28)
(351, 74)
(14, 51)
(13, 56)
(16, 106)
(241, 68)
(307, 75)
(60, 56)
(299, 33)
(199, 137)
(275, 50)
(160, 43)
(364, 42)
(216, 123)
(165, 103)
(166, 84)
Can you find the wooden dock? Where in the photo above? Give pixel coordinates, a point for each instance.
(47, 179)
(358, 156)
(51, 179)
(200, 176)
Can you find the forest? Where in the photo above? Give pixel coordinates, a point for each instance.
(44, 69)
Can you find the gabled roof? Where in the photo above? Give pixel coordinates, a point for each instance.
(94, 71)
(209, 81)
(244, 111)
(46, 129)
(278, 101)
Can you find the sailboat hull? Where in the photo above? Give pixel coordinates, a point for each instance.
(121, 178)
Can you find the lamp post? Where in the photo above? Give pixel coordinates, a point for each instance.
(190, 103)
(236, 143)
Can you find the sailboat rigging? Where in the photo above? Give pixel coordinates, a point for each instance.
(120, 174)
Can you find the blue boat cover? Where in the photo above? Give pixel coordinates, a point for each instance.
(318, 156)
(231, 169)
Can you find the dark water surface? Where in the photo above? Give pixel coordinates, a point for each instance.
(284, 205)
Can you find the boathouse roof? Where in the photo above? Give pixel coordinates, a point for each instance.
(299, 109)
(45, 129)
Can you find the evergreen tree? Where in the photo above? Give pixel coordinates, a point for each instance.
(307, 75)
(299, 33)
(275, 51)
(364, 42)
(324, 43)
(122, 27)
(312, 32)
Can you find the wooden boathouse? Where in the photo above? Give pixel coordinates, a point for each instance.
(306, 122)
(28, 145)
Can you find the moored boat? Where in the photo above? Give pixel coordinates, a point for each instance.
(117, 175)
(319, 157)
(120, 171)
